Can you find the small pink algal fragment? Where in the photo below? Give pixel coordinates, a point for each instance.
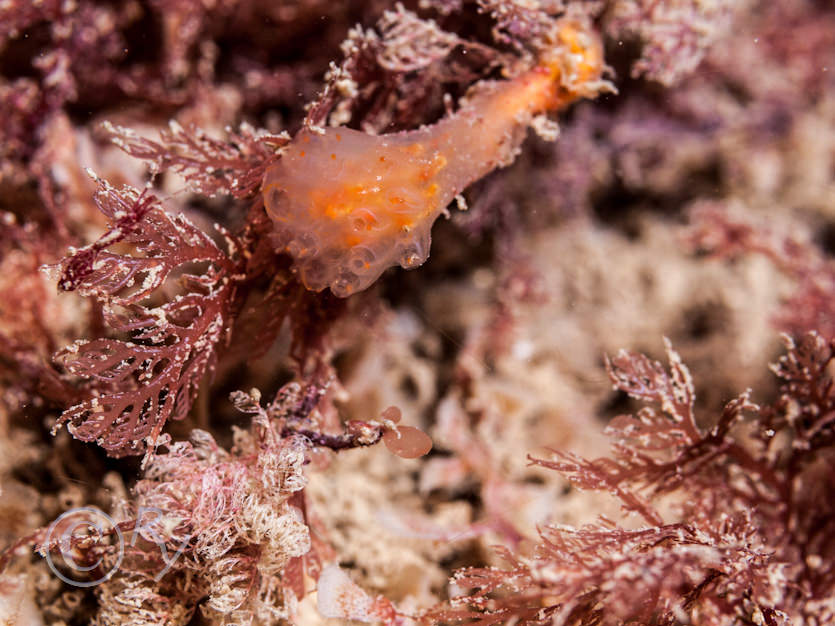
(392, 414)
(347, 205)
(407, 442)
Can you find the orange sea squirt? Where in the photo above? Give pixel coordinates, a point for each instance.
(347, 205)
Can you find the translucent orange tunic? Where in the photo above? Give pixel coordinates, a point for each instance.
(347, 205)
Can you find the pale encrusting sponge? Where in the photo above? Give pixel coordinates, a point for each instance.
(348, 205)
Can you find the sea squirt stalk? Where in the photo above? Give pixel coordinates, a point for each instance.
(347, 205)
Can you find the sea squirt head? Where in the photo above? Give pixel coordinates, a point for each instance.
(347, 205)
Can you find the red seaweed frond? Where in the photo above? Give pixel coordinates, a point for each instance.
(675, 36)
(222, 530)
(807, 406)
(661, 446)
(723, 234)
(751, 538)
(225, 530)
(401, 66)
(138, 384)
(604, 574)
(234, 166)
